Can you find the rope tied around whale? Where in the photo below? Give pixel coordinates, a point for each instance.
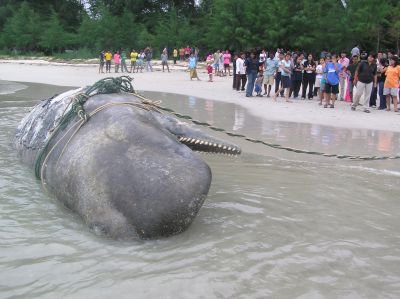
(103, 86)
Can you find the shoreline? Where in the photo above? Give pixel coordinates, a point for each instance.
(178, 82)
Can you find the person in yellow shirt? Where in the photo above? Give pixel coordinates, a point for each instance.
(108, 57)
(175, 55)
(134, 56)
(391, 86)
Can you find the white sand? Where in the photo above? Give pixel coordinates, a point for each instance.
(220, 90)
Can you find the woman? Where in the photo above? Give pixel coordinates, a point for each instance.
(382, 67)
(117, 61)
(164, 60)
(285, 69)
(297, 77)
(140, 62)
(391, 85)
(309, 77)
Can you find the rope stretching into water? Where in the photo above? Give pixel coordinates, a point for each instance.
(123, 83)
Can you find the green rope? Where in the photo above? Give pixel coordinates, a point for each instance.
(103, 86)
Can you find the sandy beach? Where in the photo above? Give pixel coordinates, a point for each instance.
(177, 81)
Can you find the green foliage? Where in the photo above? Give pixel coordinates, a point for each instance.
(53, 26)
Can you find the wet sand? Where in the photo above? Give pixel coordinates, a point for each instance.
(177, 81)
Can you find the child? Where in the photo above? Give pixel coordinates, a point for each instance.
(210, 72)
(258, 84)
(319, 80)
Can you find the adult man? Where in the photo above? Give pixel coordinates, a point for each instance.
(352, 69)
(365, 78)
(271, 66)
(240, 72)
(134, 56)
(252, 66)
(344, 62)
(149, 55)
(108, 57)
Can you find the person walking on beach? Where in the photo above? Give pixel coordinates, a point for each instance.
(108, 56)
(117, 61)
(134, 55)
(332, 70)
(164, 60)
(252, 66)
(102, 61)
(192, 65)
(365, 78)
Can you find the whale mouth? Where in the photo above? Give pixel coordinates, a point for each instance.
(209, 146)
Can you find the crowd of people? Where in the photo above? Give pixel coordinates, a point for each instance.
(361, 80)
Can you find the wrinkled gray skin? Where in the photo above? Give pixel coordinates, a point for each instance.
(125, 172)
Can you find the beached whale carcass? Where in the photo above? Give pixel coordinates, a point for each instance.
(126, 168)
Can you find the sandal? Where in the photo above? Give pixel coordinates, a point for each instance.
(326, 106)
(332, 106)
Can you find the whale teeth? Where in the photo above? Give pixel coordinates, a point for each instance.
(183, 139)
(229, 148)
(197, 141)
(193, 140)
(215, 145)
(219, 145)
(206, 143)
(201, 142)
(180, 138)
(224, 148)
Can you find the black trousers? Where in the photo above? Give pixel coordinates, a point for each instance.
(241, 79)
(278, 82)
(308, 81)
(295, 88)
(373, 97)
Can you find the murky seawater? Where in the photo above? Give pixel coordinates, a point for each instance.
(275, 224)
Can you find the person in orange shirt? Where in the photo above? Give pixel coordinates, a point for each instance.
(391, 86)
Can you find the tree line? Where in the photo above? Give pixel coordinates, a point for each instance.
(52, 26)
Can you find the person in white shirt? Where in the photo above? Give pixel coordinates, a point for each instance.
(240, 73)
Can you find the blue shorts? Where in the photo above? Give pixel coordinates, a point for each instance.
(285, 81)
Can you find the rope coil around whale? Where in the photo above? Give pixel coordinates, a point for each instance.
(123, 84)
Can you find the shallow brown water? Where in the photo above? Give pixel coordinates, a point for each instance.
(275, 224)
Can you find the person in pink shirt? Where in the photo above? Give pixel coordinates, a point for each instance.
(117, 61)
(344, 62)
(227, 62)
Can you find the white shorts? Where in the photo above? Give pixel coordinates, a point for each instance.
(391, 91)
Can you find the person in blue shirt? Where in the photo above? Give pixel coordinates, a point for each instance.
(192, 67)
(332, 70)
(271, 66)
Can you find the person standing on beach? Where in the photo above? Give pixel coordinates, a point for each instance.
(108, 56)
(123, 62)
(392, 83)
(240, 72)
(149, 55)
(227, 62)
(175, 55)
(344, 62)
(192, 65)
(271, 66)
(285, 67)
(332, 70)
(309, 77)
(134, 55)
(252, 66)
(278, 75)
(102, 61)
(140, 62)
(364, 79)
(164, 60)
(117, 61)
